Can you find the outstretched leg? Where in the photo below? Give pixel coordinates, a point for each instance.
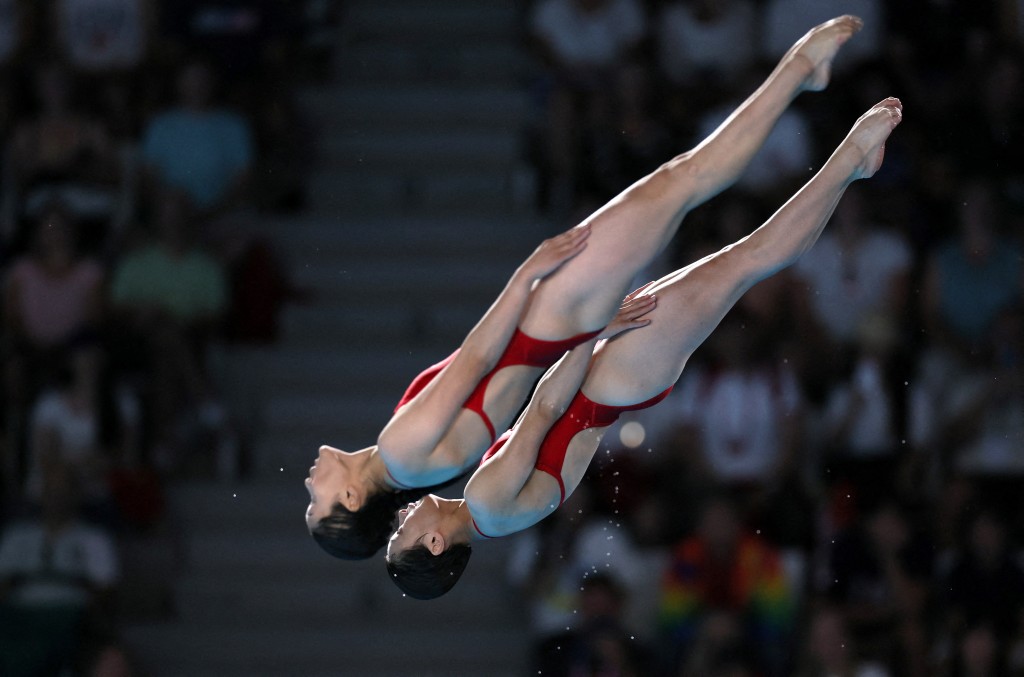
(635, 226)
(692, 301)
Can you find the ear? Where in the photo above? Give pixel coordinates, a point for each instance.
(351, 498)
(434, 542)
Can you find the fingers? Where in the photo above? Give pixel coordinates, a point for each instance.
(636, 307)
(570, 243)
(633, 294)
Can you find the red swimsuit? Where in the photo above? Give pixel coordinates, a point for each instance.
(581, 414)
(521, 350)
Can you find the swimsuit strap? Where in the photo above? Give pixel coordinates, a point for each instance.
(477, 527)
(401, 485)
(522, 349)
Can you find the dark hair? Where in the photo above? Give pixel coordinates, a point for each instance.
(422, 575)
(360, 534)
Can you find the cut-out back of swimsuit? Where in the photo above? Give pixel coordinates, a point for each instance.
(581, 414)
(521, 350)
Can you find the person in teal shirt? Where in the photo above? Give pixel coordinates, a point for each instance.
(198, 148)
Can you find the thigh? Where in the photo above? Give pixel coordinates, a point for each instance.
(627, 234)
(639, 364)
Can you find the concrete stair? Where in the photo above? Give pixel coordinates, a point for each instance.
(420, 209)
(257, 597)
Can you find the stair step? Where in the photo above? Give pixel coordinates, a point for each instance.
(330, 598)
(420, 151)
(410, 646)
(335, 370)
(294, 411)
(396, 325)
(416, 107)
(411, 189)
(399, 62)
(417, 282)
(500, 237)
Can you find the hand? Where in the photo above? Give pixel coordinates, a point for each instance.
(555, 251)
(631, 313)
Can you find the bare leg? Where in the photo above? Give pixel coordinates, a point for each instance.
(692, 301)
(636, 225)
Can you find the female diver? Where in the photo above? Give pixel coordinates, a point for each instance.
(562, 296)
(527, 474)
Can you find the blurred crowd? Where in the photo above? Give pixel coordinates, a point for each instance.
(138, 142)
(834, 486)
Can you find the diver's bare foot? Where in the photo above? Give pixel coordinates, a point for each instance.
(819, 47)
(869, 133)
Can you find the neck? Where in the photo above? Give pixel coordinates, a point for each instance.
(374, 468)
(459, 527)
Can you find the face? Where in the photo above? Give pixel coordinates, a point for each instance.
(332, 480)
(418, 524)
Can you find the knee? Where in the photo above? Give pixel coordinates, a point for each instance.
(680, 169)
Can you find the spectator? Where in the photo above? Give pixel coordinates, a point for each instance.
(109, 42)
(741, 414)
(700, 42)
(862, 440)
(638, 144)
(856, 270)
(12, 30)
(64, 431)
(582, 43)
(786, 154)
(978, 654)
(53, 298)
(254, 43)
(973, 277)
(57, 578)
(102, 36)
(551, 561)
(721, 650)
(13, 39)
(198, 148)
(878, 572)
(784, 21)
(989, 430)
(721, 568)
(244, 36)
(60, 154)
(985, 586)
(830, 650)
(600, 644)
(171, 295)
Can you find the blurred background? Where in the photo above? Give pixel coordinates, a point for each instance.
(232, 230)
